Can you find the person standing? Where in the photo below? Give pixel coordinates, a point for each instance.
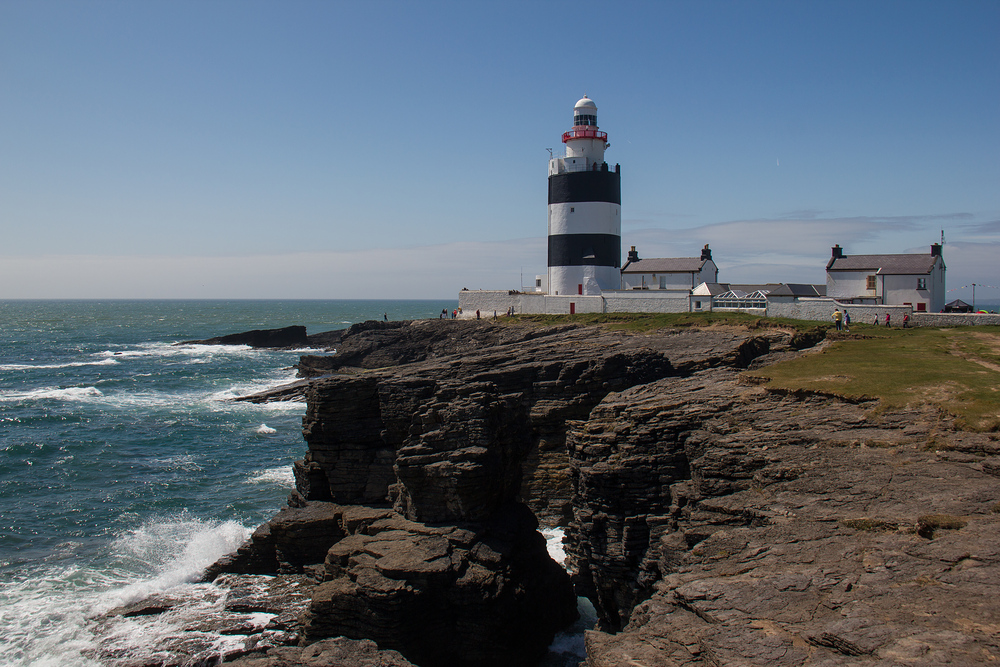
(887, 320)
(838, 319)
(847, 321)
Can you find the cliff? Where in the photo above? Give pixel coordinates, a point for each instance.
(710, 522)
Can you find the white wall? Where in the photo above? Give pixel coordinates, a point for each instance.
(890, 289)
(587, 217)
(821, 309)
(646, 301)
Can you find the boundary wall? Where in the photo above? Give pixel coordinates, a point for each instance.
(955, 319)
(818, 309)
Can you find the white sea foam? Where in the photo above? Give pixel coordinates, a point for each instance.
(264, 429)
(72, 364)
(45, 613)
(52, 393)
(554, 545)
(180, 548)
(282, 476)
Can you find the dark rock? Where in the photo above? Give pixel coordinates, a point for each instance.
(293, 336)
(724, 524)
(341, 652)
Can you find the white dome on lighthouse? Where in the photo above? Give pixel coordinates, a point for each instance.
(585, 103)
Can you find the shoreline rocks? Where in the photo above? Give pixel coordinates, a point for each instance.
(709, 521)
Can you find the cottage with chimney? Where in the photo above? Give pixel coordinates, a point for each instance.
(916, 280)
(678, 274)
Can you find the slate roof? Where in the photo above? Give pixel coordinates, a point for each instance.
(666, 265)
(796, 289)
(885, 264)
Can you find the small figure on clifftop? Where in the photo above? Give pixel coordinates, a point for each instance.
(385, 317)
(838, 318)
(847, 321)
(906, 320)
(887, 320)
(477, 313)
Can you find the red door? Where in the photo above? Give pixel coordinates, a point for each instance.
(572, 308)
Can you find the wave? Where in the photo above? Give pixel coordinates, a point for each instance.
(52, 393)
(46, 612)
(72, 364)
(264, 429)
(281, 476)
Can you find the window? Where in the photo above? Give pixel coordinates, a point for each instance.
(870, 282)
(538, 282)
(572, 208)
(585, 119)
(921, 283)
(697, 305)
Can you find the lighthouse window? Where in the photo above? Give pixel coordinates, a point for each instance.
(585, 119)
(572, 208)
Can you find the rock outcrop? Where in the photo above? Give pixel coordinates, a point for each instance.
(710, 522)
(721, 524)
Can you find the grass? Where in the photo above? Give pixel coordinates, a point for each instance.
(928, 524)
(957, 369)
(652, 321)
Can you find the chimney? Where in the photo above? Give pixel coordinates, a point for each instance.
(935, 250)
(838, 252)
(706, 254)
(633, 256)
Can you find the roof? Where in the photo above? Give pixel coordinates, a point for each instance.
(715, 289)
(885, 264)
(797, 289)
(710, 289)
(585, 103)
(666, 265)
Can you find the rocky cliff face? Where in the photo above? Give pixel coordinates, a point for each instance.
(710, 522)
(721, 524)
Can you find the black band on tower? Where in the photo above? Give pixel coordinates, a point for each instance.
(585, 250)
(581, 186)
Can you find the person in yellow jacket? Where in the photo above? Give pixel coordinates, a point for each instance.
(838, 319)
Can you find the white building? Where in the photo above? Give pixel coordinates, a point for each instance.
(680, 274)
(916, 280)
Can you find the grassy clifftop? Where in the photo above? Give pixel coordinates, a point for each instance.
(956, 369)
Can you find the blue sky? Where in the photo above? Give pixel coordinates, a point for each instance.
(398, 149)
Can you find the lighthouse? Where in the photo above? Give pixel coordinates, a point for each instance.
(584, 211)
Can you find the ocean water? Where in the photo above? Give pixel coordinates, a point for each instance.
(125, 468)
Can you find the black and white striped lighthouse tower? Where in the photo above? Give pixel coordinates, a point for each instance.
(584, 211)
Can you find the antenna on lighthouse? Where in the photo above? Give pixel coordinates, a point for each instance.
(550, 152)
(942, 237)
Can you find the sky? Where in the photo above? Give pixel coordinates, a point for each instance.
(398, 150)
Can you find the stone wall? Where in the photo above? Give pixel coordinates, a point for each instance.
(954, 319)
(821, 310)
(647, 301)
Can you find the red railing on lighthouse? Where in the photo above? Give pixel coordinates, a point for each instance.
(584, 134)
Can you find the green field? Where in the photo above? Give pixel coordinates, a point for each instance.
(956, 369)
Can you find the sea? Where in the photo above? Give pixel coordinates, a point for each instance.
(125, 465)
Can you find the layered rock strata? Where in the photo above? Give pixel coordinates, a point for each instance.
(407, 511)
(716, 523)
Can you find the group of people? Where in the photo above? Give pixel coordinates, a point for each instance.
(842, 320)
(454, 313)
